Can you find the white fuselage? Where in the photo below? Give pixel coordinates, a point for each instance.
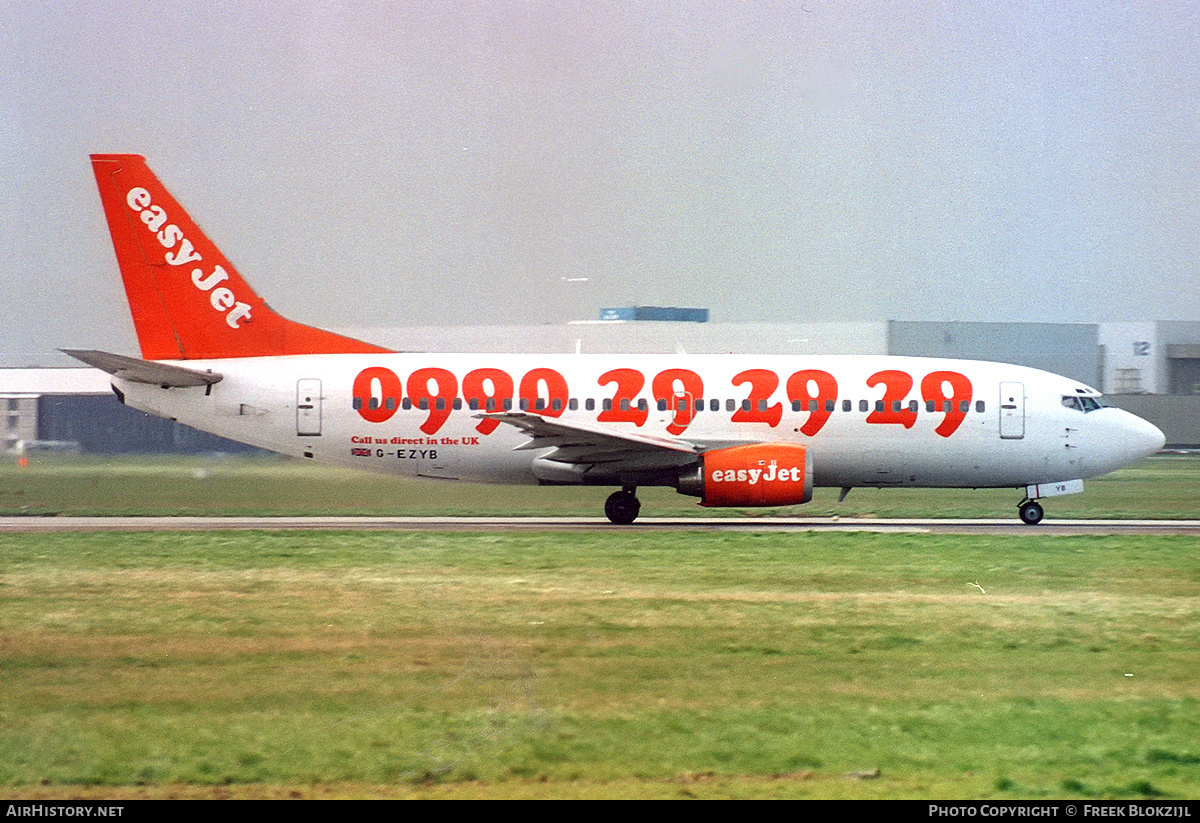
(866, 421)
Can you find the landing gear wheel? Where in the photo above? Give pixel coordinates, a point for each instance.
(1031, 512)
(622, 507)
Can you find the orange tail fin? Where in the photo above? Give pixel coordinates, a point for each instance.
(188, 301)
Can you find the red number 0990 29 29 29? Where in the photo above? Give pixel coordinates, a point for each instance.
(379, 392)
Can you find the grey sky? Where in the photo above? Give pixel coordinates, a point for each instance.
(459, 162)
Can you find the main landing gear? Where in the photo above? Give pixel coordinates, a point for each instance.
(622, 507)
(1031, 512)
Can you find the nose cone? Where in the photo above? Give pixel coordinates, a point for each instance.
(1138, 438)
(1119, 439)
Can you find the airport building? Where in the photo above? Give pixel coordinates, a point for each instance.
(1151, 369)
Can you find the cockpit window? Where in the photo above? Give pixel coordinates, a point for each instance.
(1085, 404)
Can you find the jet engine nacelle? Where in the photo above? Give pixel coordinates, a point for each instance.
(761, 474)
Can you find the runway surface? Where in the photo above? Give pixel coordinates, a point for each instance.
(1013, 527)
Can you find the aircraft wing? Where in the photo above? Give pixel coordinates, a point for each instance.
(144, 371)
(592, 448)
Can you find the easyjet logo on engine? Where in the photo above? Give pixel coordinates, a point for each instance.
(794, 474)
(758, 474)
(181, 251)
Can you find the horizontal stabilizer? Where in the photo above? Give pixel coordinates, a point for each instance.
(144, 371)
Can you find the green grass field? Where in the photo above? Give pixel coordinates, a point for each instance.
(607, 664)
(1162, 487)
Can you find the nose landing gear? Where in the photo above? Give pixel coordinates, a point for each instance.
(1031, 512)
(622, 507)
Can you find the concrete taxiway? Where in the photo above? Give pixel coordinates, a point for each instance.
(567, 524)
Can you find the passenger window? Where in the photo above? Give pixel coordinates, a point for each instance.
(980, 406)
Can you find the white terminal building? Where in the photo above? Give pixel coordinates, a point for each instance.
(1149, 368)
